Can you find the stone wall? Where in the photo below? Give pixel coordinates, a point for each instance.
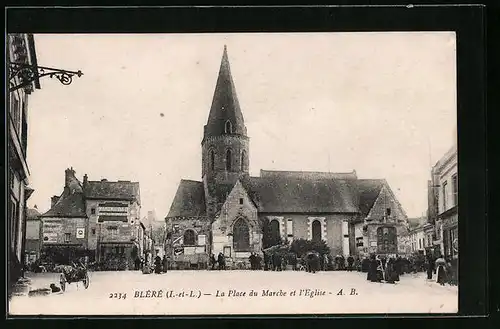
(237, 205)
(64, 231)
(126, 231)
(301, 227)
(220, 144)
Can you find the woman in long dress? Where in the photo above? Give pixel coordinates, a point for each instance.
(380, 271)
(372, 269)
(441, 270)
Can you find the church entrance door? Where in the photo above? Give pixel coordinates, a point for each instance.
(241, 235)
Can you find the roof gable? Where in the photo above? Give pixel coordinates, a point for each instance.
(189, 200)
(32, 214)
(72, 205)
(369, 190)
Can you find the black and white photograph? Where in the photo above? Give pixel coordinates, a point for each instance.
(232, 173)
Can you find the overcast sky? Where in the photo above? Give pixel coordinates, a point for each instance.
(383, 104)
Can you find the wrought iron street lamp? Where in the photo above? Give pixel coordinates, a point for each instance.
(22, 75)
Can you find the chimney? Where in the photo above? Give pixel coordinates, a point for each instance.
(53, 200)
(69, 175)
(85, 180)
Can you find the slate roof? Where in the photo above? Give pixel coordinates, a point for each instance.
(32, 214)
(368, 190)
(298, 195)
(189, 200)
(225, 104)
(307, 174)
(72, 205)
(285, 193)
(106, 190)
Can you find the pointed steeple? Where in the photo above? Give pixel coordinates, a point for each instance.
(225, 114)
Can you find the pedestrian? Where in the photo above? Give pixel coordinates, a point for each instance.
(451, 275)
(365, 265)
(165, 263)
(221, 261)
(380, 271)
(313, 262)
(293, 261)
(357, 264)
(258, 261)
(158, 265)
(383, 260)
(350, 262)
(430, 266)
(266, 261)
(137, 263)
(252, 261)
(441, 271)
(371, 269)
(213, 261)
(325, 262)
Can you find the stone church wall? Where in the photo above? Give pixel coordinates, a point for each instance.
(301, 228)
(237, 205)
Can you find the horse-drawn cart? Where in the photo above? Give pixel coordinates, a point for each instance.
(74, 273)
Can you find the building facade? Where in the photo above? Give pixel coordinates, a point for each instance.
(94, 219)
(226, 210)
(445, 174)
(421, 238)
(20, 49)
(33, 242)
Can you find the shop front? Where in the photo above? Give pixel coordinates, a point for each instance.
(64, 254)
(450, 239)
(117, 256)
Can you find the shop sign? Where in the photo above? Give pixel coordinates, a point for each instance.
(80, 233)
(49, 237)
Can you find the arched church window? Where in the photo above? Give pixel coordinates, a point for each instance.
(275, 232)
(189, 238)
(243, 160)
(229, 127)
(241, 235)
(316, 230)
(229, 159)
(212, 159)
(387, 240)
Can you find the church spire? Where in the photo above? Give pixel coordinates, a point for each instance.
(225, 114)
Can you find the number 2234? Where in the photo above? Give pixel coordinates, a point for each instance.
(118, 295)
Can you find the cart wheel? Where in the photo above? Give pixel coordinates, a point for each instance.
(86, 281)
(62, 281)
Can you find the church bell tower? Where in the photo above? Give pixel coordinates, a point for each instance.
(225, 156)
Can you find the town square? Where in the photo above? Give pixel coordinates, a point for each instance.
(232, 174)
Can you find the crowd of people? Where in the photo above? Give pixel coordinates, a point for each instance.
(389, 269)
(147, 265)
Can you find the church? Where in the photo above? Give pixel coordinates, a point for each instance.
(225, 211)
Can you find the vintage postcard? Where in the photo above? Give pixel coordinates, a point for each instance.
(232, 174)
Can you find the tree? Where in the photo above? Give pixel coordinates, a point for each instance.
(303, 246)
(268, 238)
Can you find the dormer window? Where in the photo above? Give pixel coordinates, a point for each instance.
(228, 127)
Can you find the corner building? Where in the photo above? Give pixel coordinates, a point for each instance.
(96, 219)
(225, 211)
